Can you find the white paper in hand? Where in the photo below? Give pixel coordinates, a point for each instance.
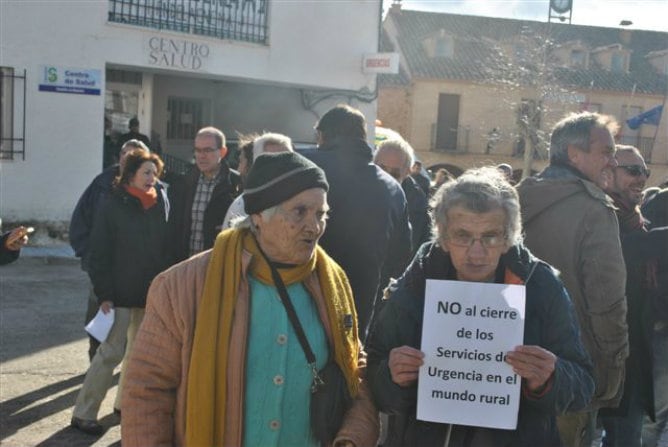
(467, 330)
(100, 326)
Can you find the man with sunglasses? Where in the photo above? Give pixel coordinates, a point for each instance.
(628, 179)
(571, 224)
(622, 426)
(202, 198)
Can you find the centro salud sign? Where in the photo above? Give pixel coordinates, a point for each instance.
(177, 53)
(81, 81)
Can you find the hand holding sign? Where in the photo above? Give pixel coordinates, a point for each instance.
(404, 364)
(532, 363)
(468, 330)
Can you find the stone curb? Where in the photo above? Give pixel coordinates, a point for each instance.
(51, 254)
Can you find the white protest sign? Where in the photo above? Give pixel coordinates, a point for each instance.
(467, 330)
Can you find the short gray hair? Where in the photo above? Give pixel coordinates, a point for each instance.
(135, 144)
(479, 190)
(575, 129)
(266, 138)
(621, 148)
(397, 145)
(214, 132)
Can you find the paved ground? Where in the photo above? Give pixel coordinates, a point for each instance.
(43, 352)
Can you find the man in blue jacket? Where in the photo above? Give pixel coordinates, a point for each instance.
(368, 232)
(395, 156)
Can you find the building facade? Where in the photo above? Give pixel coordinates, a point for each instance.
(74, 77)
(477, 90)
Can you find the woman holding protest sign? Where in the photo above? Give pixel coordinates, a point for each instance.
(478, 240)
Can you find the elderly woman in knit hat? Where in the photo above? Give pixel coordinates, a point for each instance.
(235, 339)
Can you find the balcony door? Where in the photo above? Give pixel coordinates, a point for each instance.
(447, 122)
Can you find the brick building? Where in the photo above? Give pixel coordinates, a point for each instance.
(476, 90)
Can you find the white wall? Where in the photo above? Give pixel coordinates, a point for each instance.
(311, 45)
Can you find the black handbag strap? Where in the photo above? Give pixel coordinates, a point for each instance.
(294, 319)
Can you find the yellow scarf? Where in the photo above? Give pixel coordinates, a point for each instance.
(206, 398)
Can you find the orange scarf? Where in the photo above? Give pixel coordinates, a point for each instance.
(147, 198)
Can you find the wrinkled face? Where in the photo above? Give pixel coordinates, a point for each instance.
(475, 242)
(291, 234)
(629, 177)
(393, 162)
(207, 155)
(145, 177)
(597, 164)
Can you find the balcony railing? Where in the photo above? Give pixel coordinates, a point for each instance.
(462, 135)
(244, 20)
(175, 165)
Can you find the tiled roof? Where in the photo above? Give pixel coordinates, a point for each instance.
(390, 80)
(398, 79)
(476, 53)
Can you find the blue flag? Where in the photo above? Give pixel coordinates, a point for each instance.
(652, 116)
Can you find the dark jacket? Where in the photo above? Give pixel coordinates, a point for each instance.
(571, 224)
(6, 255)
(367, 232)
(418, 213)
(550, 322)
(656, 211)
(423, 180)
(129, 246)
(642, 250)
(83, 216)
(81, 223)
(182, 196)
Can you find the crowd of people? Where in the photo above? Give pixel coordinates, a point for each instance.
(283, 304)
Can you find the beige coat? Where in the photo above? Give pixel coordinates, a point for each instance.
(570, 223)
(154, 397)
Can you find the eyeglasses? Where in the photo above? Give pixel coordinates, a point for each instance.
(635, 170)
(204, 150)
(487, 241)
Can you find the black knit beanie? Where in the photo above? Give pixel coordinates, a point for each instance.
(277, 177)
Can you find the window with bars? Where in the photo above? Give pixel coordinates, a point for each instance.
(12, 113)
(185, 117)
(244, 20)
